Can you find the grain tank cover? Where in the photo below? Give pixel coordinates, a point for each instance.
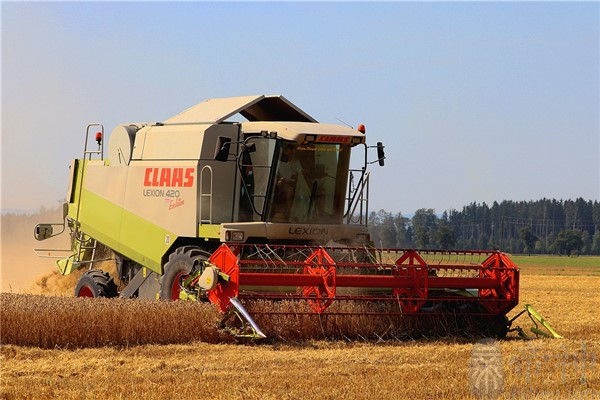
(253, 108)
(120, 144)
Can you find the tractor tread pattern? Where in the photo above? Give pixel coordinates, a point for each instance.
(195, 255)
(103, 282)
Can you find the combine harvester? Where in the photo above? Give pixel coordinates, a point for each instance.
(264, 212)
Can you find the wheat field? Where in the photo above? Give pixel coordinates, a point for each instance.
(208, 366)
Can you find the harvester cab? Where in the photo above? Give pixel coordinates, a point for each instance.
(201, 208)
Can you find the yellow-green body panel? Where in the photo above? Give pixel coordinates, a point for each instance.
(113, 225)
(209, 231)
(123, 231)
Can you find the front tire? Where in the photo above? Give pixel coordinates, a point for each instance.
(181, 262)
(96, 283)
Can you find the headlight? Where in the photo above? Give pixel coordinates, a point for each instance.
(234, 236)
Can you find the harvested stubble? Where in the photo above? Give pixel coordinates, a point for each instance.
(48, 321)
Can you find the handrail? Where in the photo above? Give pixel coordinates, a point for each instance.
(358, 197)
(207, 195)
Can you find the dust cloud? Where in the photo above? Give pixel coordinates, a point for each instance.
(21, 270)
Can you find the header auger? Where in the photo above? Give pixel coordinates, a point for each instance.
(263, 218)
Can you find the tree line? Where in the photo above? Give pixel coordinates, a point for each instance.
(544, 226)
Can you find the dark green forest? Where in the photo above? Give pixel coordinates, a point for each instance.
(568, 227)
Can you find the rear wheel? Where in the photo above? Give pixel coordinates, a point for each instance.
(96, 283)
(181, 262)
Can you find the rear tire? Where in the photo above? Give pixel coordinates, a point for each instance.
(181, 262)
(96, 283)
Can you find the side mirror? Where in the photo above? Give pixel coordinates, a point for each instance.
(380, 154)
(43, 231)
(222, 148)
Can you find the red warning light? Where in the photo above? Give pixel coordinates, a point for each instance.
(361, 129)
(99, 138)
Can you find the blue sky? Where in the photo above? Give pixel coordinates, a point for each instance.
(474, 101)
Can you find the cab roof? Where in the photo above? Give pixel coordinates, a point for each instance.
(296, 131)
(253, 108)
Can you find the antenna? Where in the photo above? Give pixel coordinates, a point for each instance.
(345, 123)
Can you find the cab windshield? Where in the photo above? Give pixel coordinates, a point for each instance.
(309, 183)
